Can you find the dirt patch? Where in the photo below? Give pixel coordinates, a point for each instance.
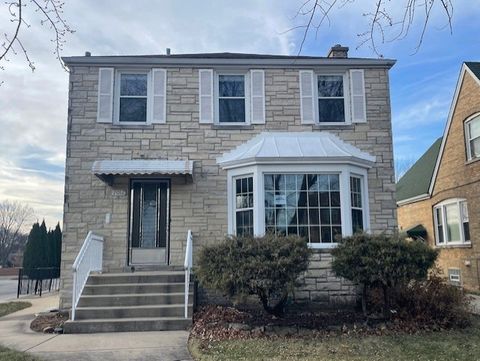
(48, 322)
(217, 323)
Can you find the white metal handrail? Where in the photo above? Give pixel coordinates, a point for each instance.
(188, 268)
(89, 259)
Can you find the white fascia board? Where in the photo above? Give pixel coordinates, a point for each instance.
(418, 198)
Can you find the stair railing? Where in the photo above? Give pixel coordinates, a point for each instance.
(89, 259)
(188, 268)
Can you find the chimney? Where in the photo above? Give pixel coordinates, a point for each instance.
(338, 51)
(168, 51)
(87, 53)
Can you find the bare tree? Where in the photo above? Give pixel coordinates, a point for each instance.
(384, 25)
(50, 14)
(14, 218)
(402, 166)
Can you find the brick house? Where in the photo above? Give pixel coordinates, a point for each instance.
(439, 197)
(215, 144)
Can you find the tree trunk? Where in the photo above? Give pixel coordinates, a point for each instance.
(386, 303)
(364, 300)
(276, 310)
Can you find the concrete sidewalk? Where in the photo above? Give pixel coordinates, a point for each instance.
(162, 345)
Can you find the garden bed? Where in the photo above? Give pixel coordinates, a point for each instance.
(49, 322)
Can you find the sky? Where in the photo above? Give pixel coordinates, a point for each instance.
(33, 106)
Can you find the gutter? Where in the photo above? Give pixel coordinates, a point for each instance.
(418, 198)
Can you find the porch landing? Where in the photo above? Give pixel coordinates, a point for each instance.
(134, 301)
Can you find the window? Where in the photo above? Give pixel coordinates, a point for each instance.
(451, 222)
(356, 204)
(244, 206)
(331, 99)
(307, 205)
(231, 99)
(472, 134)
(454, 276)
(132, 98)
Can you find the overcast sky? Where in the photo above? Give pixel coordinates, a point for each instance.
(33, 106)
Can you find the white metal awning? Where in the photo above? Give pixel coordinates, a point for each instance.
(311, 147)
(107, 169)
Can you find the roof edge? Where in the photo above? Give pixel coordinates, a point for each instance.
(179, 61)
(418, 198)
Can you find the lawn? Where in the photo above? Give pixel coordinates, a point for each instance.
(454, 345)
(7, 354)
(10, 307)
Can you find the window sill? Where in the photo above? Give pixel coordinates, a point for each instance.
(232, 126)
(473, 160)
(333, 126)
(133, 125)
(454, 245)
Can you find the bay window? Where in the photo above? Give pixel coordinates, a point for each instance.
(244, 206)
(356, 203)
(451, 222)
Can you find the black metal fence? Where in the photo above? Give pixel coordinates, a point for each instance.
(38, 280)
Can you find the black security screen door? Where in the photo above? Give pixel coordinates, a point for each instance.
(149, 207)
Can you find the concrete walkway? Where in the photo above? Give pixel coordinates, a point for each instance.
(154, 346)
(475, 303)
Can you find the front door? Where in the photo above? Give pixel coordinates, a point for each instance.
(149, 208)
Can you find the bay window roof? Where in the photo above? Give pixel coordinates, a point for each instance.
(295, 147)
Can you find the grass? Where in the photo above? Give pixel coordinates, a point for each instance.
(453, 345)
(7, 354)
(10, 307)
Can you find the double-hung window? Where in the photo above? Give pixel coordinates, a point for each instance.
(451, 222)
(472, 135)
(132, 104)
(331, 99)
(356, 203)
(244, 206)
(232, 99)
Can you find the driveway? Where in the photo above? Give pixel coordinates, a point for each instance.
(8, 288)
(155, 346)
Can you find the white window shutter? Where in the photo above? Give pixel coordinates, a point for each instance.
(357, 94)
(307, 105)
(159, 95)
(105, 95)
(206, 95)
(257, 82)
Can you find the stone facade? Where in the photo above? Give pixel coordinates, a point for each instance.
(201, 204)
(456, 178)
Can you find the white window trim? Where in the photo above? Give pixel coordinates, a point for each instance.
(116, 94)
(442, 206)
(363, 199)
(216, 91)
(459, 275)
(346, 98)
(468, 139)
(235, 210)
(258, 171)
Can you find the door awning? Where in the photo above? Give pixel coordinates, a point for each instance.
(418, 231)
(285, 147)
(107, 169)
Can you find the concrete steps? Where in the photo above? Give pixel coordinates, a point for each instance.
(139, 301)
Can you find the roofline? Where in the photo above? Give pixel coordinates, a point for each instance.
(296, 160)
(464, 69)
(414, 199)
(179, 61)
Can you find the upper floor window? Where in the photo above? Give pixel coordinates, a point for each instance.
(331, 99)
(231, 99)
(451, 222)
(472, 135)
(132, 97)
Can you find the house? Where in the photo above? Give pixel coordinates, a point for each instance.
(439, 197)
(215, 144)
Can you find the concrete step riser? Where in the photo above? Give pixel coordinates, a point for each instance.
(126, 326)
(134, 279)
(132, 300)
(134, 289)
(82, 314)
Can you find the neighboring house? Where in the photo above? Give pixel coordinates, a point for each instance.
(439, 197)
(217, 144)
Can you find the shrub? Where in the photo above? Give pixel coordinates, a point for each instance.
(381, 261)
(267, 267)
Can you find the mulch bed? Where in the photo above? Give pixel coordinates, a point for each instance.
(48, 322)
(217, 323)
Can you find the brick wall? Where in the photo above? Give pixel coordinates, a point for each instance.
(456, 178)
(200, 205)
